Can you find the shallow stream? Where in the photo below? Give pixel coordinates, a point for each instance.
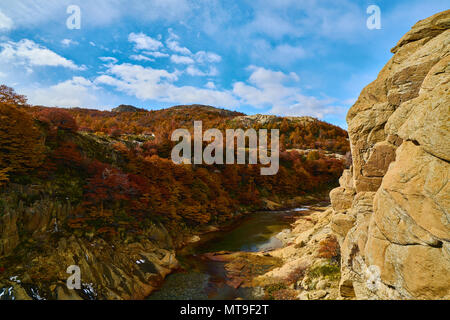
(202, 278)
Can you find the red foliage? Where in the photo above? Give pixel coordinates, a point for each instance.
(329, 247)
(139, 182)
(67, 153)
(108, 185)
(58, 119)
(21, 144)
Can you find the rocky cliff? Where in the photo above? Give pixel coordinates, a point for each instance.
(391, 209)
(35, 253)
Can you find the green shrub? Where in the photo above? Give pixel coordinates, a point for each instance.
(330, 270)
(271, 289)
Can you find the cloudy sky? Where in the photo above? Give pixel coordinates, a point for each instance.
(284, 57)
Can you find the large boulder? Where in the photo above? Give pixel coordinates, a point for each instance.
(398, 246)
(411, 206)
(341, 198)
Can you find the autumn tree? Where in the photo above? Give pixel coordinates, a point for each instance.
(57, 118)
(67, 154)
(21, 147)
(329, 248)
(9, 96)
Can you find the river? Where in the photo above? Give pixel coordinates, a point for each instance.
(202, 278)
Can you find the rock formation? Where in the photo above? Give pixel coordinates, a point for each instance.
(391, 210)
(34, 257)
(127, 108)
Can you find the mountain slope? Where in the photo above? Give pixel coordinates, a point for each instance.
(101, 192)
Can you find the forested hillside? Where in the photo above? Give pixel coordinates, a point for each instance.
(112, 172)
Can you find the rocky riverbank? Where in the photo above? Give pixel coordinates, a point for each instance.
(109, 270)
(305, 267)
(33, 265)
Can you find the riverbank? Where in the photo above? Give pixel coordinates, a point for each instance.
(290, 255)
(198, 234)
(126, 270)
(306, 267)
(310, 268)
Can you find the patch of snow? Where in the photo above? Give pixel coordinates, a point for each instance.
(300, 209)
(88, 289)
(7, 292)
(35, 294)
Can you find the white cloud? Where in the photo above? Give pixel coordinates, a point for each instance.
(158, 85)
(266, 78)
(150, 10)
(156, 54)
(308, 106)
(279, 55)
(76, 92)
(31, 13)
(108, 59)
(193, 95)
(207, 57)
(68, 42)
(136, 80)
(200, 58)
(173, 44)
(144, 42)
(29, 53)
(292, 18)
(210, 85)
(141, 57)
(272, 24)
(181, 59)
(5, 22)
(275, 90)
(195, 72)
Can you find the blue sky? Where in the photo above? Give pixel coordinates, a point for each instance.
(284, 57)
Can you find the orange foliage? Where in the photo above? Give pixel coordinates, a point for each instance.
(135, 181)
(21, 147)
(9, 96)
(329, 247)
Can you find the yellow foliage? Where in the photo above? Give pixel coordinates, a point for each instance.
(4, 178)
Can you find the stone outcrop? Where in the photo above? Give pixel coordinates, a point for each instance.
(9, 234)
(127, 108)
(309, 259)
(391, 211)
(35, 254)
(108, 270)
